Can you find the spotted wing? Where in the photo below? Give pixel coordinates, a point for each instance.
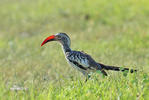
(81, 60)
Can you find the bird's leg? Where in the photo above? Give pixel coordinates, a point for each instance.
(87, 77)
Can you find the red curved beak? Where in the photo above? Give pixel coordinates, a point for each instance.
(48, 39)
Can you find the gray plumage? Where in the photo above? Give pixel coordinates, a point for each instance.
(80, 60)
(83, 62)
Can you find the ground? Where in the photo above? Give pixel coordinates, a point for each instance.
(113, 32)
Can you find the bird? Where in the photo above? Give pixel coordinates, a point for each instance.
(81, 60)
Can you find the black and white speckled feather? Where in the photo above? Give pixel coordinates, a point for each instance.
(81, 58)
(83, 62)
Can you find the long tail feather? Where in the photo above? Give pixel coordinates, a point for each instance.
(114, 68)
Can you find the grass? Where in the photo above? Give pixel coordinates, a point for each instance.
(114, 32)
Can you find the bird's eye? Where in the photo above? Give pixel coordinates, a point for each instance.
(59, 37)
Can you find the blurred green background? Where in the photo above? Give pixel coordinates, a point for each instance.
(114, 32)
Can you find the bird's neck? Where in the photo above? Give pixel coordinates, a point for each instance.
(66, 48)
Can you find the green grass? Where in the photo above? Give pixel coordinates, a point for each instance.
(114, 32)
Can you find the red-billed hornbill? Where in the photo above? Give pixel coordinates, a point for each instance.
(80, 60)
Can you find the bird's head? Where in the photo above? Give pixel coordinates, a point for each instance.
(63, 38)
